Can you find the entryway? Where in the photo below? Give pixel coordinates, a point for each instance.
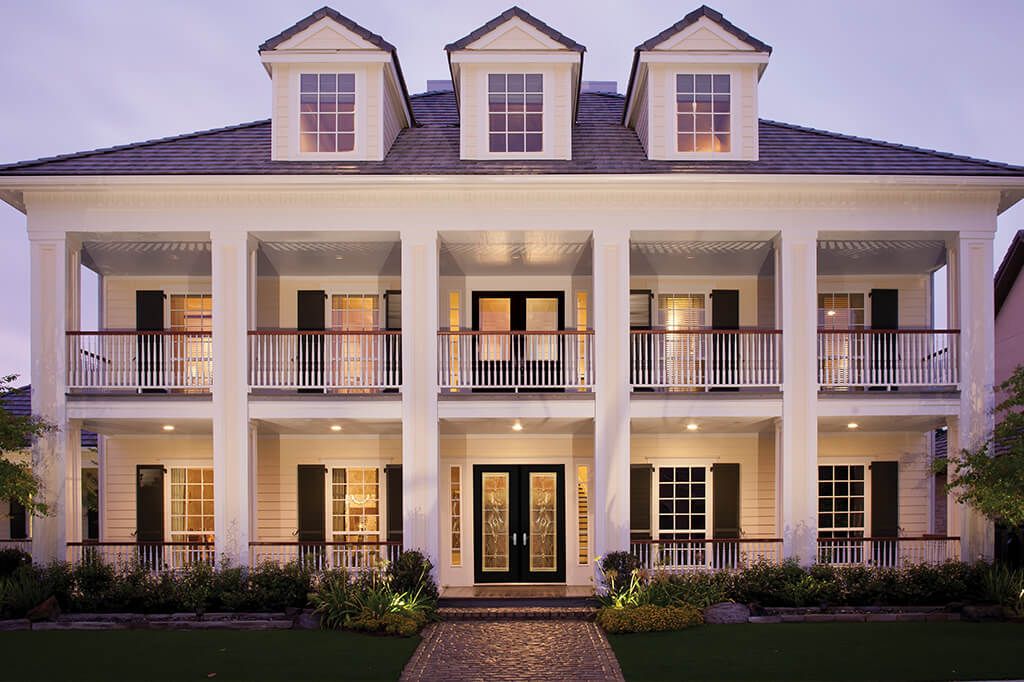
(519, 522)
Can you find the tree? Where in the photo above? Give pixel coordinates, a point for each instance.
(991, 478)
(17, 482)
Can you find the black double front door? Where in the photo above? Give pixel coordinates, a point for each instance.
(519, 521)
(533, 359)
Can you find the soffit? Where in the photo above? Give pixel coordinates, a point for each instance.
(355, 258)
(147, 258)
(700, 258)
(526, 253)
(880, 256)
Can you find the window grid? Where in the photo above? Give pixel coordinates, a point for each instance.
(356, 358)
(327, 105)
(841, 354)
(703, 119)
(841, 501)
(682, 503)
(581, 342)
(515, 105)
(193, 359)
(684, 353)
(454, 319)
(583, 513)
(456, 513)
(355, 504)
(191, 504)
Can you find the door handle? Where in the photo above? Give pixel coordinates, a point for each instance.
(513, 539)
(525, 536)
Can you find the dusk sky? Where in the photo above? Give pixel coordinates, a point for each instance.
(81, 75)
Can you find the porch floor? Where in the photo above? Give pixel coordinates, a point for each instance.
(518, 592)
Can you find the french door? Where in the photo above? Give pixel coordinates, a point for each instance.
(519, 523)
(506, 360)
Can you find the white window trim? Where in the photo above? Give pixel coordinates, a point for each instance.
(549, 124)
(294, 82)
(185, 464)
(849, 291)
(709, 521)
(329, 307)
(865, 461)
(462, 517)
(735, 118)
(382, 501)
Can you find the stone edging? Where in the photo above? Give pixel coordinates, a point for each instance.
(303, 619)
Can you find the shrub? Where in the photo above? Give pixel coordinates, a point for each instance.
(412, 572)
(648, 618)
(699, 590)
(11, 560)
(617, 568)
(766, 583)
(1001, 585)
(22, 592)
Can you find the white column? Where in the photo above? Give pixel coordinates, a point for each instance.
(230, 261)
(977, 373)
(50, 461)
(612, 391)
(798, 459)
(420, 448)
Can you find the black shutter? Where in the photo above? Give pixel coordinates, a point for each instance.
(725, 314)
(640, 502)
(19, 521)
(885, 499)
(149, 317)
(643, 345)
(393, 480)
(393, 309)
(640, 308)
(725, 309)
(149, 503)
(312, 512)
(885, 309)
(884, 315)
(393, 347)
(310, 317)
(726, 485)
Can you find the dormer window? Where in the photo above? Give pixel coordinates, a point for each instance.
(515, 104)
(327, 103)
(703, 115)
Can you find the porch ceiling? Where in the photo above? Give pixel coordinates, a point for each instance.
(327, 258)
(118, 255)
(735, 257)
(516, 252)
(886, 423)
(504, 427)
(677, 426)
(149, 427)
(322, 427)
(880, 256)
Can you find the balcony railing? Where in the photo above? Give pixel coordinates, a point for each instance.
(140, 360)
(346, 361)
(516, 360)
(888, 552)
(923, 358)
(705, 358)
(703, 556)
(352, 556)
(152, 556)
(23, 544)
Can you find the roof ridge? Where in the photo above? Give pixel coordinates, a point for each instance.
(432, 92)
(131, 145)
(514, 11)
(326, 12)
(893, 145)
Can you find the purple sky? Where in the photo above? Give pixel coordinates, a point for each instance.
(81, 75)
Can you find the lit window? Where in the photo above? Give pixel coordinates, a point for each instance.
(355, 500)
(841, 356)
(327, 105)
(841, 501)
(515, 104)
(456, 502)
(702, 112)
(682, 503)
(191, 504)
(355, 355)
(583, 513)
(192, 353)
(684, 354)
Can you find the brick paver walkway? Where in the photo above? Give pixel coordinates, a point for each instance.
(513, 650)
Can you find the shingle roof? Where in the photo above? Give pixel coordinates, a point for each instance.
(509, 14)
(1009, 270)
(601, 145)
(323, 13)
(692, 18)
(19, 404)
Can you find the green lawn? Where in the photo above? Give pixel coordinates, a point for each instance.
(826, 651)
(196, 655)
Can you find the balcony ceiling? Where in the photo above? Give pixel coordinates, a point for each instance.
(880, 256)
(881, 424)
(676, 426)
(322, 427)
(320, 258)
(149, 427)
(503, 427)
(515, 253)
(735, 257)
(147, 258)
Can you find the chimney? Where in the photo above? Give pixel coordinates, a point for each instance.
(607, 87)
(440, 86)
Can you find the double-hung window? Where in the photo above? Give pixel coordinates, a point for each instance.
(515, 106)
(327, 106)
(703, 112)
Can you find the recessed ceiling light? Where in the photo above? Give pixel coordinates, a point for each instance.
(339, 258)
(335, 427)
(691, 427)
(852, 425)
(831, 313)
(517, 427)
(168, 427)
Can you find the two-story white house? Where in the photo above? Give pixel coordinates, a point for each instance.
(515, 323)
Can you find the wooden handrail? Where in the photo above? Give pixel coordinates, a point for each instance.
(136, 543)
(888, 331)
(331, 543)
(325, 332)
(717, 541)
(706, 330)
(516, 332)
(139, 332)
(923, 538)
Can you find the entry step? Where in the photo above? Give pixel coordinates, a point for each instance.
(517, 611)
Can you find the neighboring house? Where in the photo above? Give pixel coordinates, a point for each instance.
(15, 523)
(516, 323)
(1009, 343)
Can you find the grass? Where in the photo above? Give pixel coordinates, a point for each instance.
(826, 651)
(202, 655)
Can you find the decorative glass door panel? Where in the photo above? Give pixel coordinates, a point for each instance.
(528, 354)
(495, 505)
(543, 540)
(519, 519)
(495, 316)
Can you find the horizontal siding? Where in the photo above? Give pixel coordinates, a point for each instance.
(119, 295)
(749, 287)
(642, 120)
(914, 302)
(392, 122)
(277, 297)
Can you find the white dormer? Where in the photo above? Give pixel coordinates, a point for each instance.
(692, 91)
(338, 91)
(517, 83)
